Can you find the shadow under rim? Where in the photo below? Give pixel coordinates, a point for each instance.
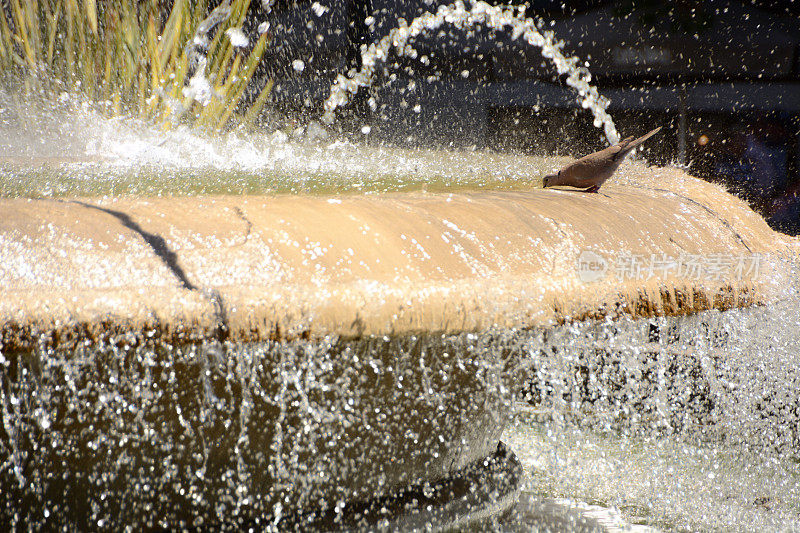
(484, 488)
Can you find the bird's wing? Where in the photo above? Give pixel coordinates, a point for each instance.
(630, 144)
(589, 166)
(620, 149)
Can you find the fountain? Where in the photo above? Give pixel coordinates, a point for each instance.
(346, 348)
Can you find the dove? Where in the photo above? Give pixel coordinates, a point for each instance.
(591, 171)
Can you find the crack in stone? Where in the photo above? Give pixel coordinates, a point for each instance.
(248, 224)
(708, 209)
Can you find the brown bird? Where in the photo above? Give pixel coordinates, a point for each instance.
(591, 171)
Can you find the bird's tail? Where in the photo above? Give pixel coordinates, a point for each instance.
(631, 144)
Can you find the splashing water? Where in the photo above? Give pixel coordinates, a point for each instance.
(683, 423)
(688, 424)
(495, 17)
(220, 435)
(67, 149)
(199, 87)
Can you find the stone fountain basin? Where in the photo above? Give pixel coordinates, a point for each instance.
(229, 359)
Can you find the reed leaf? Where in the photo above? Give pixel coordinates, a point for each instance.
(21, 18)
(6, 48)
(52, 31)
(255, 108)
(91, 14)
(245, 77)
(130, 56)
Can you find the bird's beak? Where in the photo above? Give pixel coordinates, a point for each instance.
(547, 179)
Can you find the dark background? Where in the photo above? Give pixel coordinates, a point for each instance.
(722, 77)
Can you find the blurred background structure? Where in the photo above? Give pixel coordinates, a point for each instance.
(722, 77)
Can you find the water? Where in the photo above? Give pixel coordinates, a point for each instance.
(67, 150)
(49, 137)
(132, 431)
(479, 13)
(681, 424)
